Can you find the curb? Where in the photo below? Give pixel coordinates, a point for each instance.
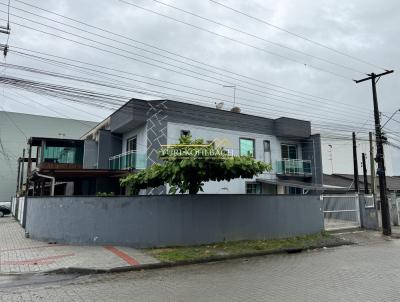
(151, 266)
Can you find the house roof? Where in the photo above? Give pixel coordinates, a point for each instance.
(54, 142)
(346, 181)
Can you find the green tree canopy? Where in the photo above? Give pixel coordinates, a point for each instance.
(189, 164)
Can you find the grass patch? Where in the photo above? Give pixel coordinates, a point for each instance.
(174, 254)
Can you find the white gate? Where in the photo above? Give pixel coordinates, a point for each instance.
(341, 211)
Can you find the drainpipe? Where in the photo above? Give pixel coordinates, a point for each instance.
(53, 182)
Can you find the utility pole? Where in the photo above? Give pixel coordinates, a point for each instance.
(386, 223)
(355, 162)
(372, 165)
(366, 189)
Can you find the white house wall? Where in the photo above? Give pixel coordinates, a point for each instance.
(236, 186)
(339, 158)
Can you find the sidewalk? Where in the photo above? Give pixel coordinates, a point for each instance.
(22, 255)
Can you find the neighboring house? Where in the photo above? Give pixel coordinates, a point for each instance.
(15, 128)
(337, 155)
(344, 183)
(131, 137)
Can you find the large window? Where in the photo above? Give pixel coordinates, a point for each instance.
(289, 151)
(131, 144)
(253, 188)
(63, 155)
(247, 147)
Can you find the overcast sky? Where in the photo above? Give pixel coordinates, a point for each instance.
(275, 73)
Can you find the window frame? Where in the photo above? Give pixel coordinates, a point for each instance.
(127, 143)
(254, 146)
(269, 159)
(253, 183)
(288, 151)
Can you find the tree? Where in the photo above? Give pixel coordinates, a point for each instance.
(189, 164)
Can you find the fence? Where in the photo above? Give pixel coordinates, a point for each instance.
(341, 211)
(170, 220)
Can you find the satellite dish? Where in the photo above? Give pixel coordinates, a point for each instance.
(219, 105)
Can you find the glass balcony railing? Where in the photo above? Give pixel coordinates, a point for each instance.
(128, 160)
(294, 167)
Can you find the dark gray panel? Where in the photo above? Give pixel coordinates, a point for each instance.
(129, 116)
(292, 128)
(157, 117)
(134, 113)
(311, 150)
(110, 144)
(90, 154)
(210, 117)
(170, 220)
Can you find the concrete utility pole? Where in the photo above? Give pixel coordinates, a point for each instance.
(385, 211)
(355, 162)
(366, 190)
(372, 165)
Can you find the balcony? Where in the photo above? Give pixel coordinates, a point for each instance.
(61, 157)
(128, 161)
(294, 167)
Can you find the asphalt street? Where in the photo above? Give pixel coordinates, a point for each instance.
(350, 273)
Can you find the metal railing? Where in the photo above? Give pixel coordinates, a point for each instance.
(128, 160)
(296, 167)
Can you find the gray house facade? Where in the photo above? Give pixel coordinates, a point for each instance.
(132, 136)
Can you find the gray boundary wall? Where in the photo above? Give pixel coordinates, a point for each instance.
(172, 220)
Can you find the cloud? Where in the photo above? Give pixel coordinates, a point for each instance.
(362, 28)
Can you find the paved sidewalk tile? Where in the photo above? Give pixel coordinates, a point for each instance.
(23, 255)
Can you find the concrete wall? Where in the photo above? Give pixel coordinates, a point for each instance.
(170, 220)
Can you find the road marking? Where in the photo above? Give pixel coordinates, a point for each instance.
(130, 260)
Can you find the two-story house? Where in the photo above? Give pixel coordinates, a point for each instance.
(131, 137)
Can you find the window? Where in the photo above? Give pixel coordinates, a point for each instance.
(253, 188)
(289, 151)
(295, 191)
(267, 146)
(131, 144)
(185, 133)
(247, 147)
(267, 152)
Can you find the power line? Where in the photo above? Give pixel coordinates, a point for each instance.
(147, 58)
(286, 100)
(157, 54)
(260, 38)
(167, 51)
(86, 80)
(240, 42)
(297, 35)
